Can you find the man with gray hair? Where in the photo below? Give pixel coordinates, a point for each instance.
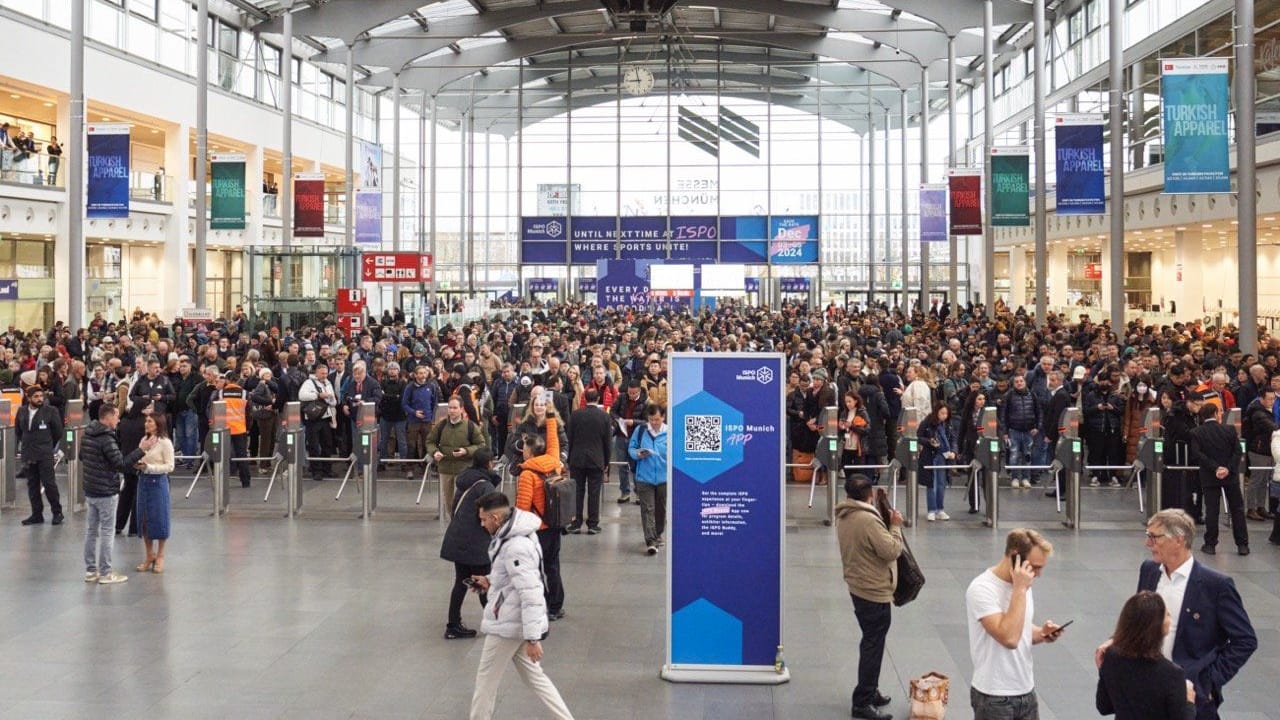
(1210, 636)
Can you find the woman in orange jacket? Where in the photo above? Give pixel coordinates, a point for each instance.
(542, 458)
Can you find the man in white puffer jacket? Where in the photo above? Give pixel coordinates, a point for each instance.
(515, 620)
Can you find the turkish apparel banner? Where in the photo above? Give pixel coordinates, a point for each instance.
(966, 201)
(226, 204)
(1195, 125)
(108, 173)
(933, 213)
(1010, 186)
(725, 548)
(368, 216)
(1078, 163)
(308, 205)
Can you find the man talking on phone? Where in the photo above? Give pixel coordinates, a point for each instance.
(869, 550)
(999, 608)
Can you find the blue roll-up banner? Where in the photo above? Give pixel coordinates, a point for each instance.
(726, 518)
(1195, 125)
(108, 171)
(1078, 163)
(933, 213)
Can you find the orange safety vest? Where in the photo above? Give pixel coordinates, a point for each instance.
(237, 401)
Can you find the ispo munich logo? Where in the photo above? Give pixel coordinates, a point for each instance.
(555, 229)
(763, 375)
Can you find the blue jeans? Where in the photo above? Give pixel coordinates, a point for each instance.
(401, 430)
(936, 492)
(1041, 454)
(624, 471)
(1021, 443)
(99, 533)
(186, 431)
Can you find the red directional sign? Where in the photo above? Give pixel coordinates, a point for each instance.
(396, 267)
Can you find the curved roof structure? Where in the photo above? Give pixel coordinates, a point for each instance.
(476, 55)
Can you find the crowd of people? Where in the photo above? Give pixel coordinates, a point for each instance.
(591, 388)
(19, 147)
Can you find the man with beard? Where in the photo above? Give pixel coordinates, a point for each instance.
(39, 430)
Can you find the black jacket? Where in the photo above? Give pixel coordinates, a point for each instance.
(1059, 401)
(935, 437)
(624, 409)
(1098, 419)
(1258, 424)
(156, 394)
(876, 441)
(1214, 445)
(466, 541)
(1142, 689)
(102, 460)
(590, 438)
(1021, 410)
(39, 434)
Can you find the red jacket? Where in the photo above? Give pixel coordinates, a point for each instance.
(608, 394)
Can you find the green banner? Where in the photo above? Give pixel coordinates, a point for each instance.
(1010, 187)
(227, 201)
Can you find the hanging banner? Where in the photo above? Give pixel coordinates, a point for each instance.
(694, 238)
(728, 522)
(308, 205)
(396, 267)
(1195, 125)
(544, 285)
(226, 205)
(799, 285)
(793, 240)
(965, 192)
(108, 172)
(1010, 186)
(933, 213)
(742, 239)
(587, 286)
(368, 216)
(1078, 164)
(370, 165)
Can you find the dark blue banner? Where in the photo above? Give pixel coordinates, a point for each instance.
(108, 172)
(727, 514)
(1195, 125)
(794, 284)
(543, 240)
(743, 239)
(587, 286)
(543, 285)
(1081, 185)
(793, 240)
(933, 213)
(752, 284)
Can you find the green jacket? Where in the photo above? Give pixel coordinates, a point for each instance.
(447, 437)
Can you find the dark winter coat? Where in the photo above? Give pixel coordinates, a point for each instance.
(466, 541)
(935, 438)
(1258, 424)
(102, 461)
(1098, 420)
(1021, 410)
(876, 441)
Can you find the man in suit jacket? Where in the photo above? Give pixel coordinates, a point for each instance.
(1210, 636)
(1215, 449)
(589, 434)
(39, 430)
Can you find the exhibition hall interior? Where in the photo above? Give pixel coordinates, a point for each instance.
(614, 359)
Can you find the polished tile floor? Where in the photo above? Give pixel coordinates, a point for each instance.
(328, 616)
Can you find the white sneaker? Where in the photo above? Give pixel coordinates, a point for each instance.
(1115, 482)
(1093, 482)
(651, 550)
(943, 516)
(1026, 484)
(91, 576)
(112, 578)
(931, 517)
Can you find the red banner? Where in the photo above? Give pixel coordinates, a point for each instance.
(308, 206)
(1093, 271)
(351, 301)
(396, 267)
(966, 204)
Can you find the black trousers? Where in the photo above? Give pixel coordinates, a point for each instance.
(549, 539)
(459, 592)
(126, 509)
(319, 444)
(1212, 497)
(240, 449)
(873, 621)
(589, 483)
(40, 473)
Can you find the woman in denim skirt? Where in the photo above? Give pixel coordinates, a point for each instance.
(153, 491)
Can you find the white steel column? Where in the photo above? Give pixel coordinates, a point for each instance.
(1246, 159)
(75, 174)
(1041, 221)
(202, 159)
(988, 142)
(1115, 248)
(286, 136)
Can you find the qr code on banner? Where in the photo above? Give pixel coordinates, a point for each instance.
(702, 433)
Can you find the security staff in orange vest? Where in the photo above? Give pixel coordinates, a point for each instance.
(12, 392)
(237, 400)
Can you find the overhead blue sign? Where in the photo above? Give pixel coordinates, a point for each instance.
(794, 284)
(725, 551)
(8, 289)
(587, 286)
(1078, 162)
(793, 240)
(543, 285)
(543, 240)
(1195, 92)
(752, 284)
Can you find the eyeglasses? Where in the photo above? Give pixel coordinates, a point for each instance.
(1152, 537)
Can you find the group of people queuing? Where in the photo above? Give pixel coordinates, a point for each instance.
(532, 394)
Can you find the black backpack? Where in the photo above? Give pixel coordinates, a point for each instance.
(561, 497)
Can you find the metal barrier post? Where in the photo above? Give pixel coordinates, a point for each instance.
(73, 432)
(832, 434)
(367, 450)
(219, 452)
(907, 452)
(292, 451)
(443, 512)
(1233, 419)
(827, 453)
(988, 456)
(8, 458)
(1070, 454)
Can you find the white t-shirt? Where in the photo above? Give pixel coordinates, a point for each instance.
(997, 670)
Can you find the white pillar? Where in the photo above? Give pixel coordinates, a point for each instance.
(254, 233)
(1017, 277)
(62, 237)
(180, 225)
(1188, 259)
(1058, 271)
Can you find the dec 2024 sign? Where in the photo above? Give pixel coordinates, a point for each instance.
(727, 511)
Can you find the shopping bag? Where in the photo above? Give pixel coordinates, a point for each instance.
(929, 696)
